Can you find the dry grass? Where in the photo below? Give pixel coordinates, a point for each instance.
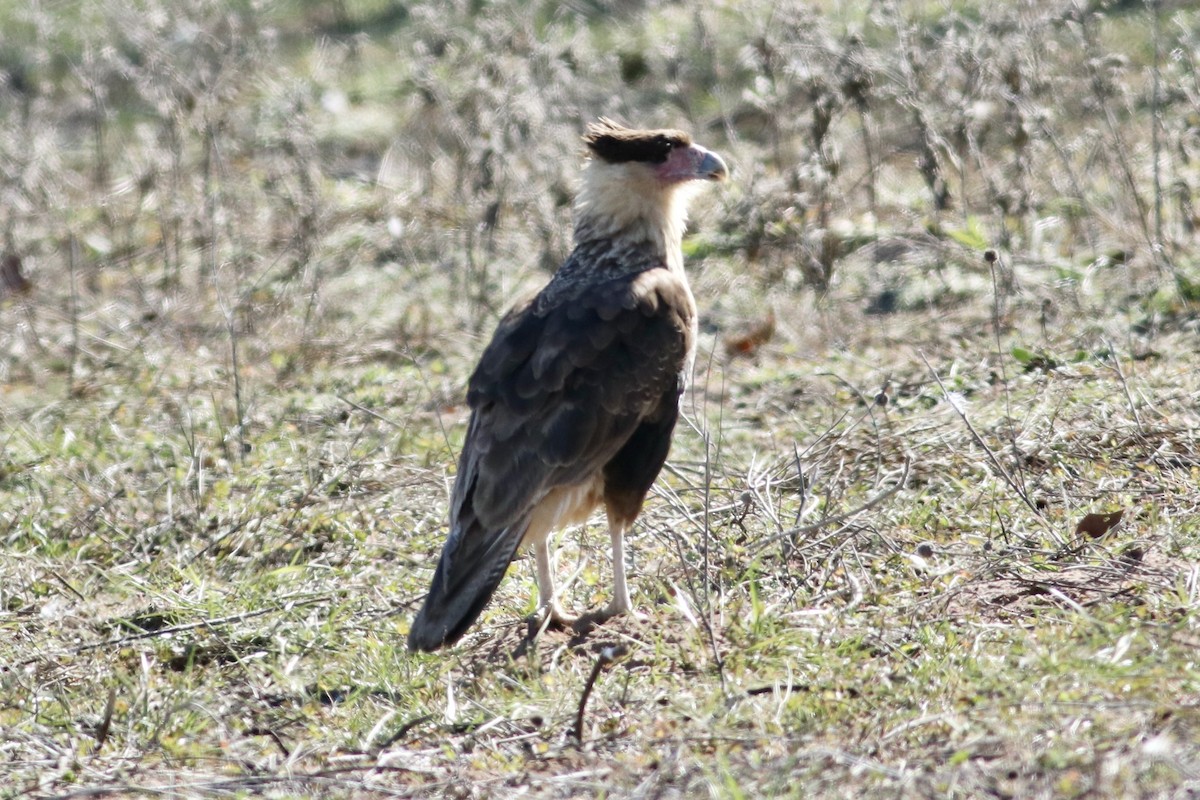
(263, 247)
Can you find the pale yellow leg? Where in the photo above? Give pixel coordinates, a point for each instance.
(620, 603)
(545, 581)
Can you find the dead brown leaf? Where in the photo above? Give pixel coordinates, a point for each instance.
(1096, 525)
(747, 343)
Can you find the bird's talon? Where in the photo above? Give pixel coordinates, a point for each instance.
(620, 610)
(559, 619)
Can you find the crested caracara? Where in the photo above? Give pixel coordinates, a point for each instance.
(575, 398)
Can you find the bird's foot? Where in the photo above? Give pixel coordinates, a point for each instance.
(589, 622)
(615, 609)
(555, 617)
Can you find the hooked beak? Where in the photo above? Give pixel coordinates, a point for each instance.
(711, 167)
(693, 163)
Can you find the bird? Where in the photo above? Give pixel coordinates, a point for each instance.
(574, 401)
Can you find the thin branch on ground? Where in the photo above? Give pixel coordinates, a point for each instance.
(845, 516)
(1017, 488)
(607, 656)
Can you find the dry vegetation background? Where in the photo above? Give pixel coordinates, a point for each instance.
(930, 528)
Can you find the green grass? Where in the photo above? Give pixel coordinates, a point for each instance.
(231, 404)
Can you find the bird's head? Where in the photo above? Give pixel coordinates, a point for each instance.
(669, 156)
(635, 182)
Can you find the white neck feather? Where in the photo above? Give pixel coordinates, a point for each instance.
(627, 201)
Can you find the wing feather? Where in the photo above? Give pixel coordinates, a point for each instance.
(604, 358)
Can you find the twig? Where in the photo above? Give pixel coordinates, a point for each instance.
(121, 641)
(1012, 483)
(917, 722)
(54, 574)
(288, 780)
(994, 263)
(72, 257)
(106, 719)
(702, 595)
(1156, 122)
(370, 412)
(236, 369)
(437, 407)
(275, 737)
(1120, 147)
(607, 656)
(1116, 361)
(777, 687)
(404, 730)
(792, 533)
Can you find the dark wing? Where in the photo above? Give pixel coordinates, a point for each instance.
(557, 393)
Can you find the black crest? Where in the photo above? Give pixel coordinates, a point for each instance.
(617, 144)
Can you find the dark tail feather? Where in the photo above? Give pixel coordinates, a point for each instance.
(467, 575)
